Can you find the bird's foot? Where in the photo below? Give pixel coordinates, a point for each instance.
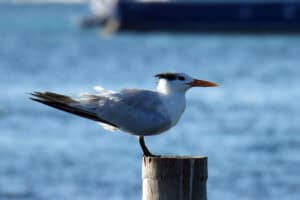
(146, 151)
(149, 154)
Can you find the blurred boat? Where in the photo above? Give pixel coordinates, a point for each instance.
(106, 10)
(197, 16)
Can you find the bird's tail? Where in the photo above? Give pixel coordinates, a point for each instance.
(66, 104)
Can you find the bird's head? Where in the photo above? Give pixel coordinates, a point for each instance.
(179, 82)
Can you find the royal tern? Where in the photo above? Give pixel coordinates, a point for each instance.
(135, 111)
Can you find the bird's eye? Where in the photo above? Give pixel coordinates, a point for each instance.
(181, 78)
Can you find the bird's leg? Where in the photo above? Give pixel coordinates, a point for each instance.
(144, 147)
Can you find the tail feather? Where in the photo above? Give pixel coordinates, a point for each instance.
(50, 96)
(66, 104)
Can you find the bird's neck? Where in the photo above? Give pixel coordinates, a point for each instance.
(167, 88)
(174, 101)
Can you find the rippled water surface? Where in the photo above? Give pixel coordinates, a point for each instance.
(248, 127)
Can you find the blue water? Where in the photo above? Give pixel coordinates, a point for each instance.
(248, 127)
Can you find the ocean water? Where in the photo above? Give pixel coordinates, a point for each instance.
(248, 127)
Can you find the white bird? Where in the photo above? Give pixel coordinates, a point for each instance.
(135, 111)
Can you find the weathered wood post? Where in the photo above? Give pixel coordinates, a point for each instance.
(174, 178)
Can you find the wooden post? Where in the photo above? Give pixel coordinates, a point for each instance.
(174, 178)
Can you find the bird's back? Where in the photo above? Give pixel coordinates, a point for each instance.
(139, 112)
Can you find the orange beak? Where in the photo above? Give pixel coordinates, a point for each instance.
(202, 83)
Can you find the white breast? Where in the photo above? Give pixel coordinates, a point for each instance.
(175, 106)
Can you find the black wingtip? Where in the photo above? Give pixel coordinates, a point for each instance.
(34, 99)
(35, 96)
(64, 103)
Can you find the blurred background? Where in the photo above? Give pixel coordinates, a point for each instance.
(248, 127)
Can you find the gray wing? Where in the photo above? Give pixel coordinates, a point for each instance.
(139, 112)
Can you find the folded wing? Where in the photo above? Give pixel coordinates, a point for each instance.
(139, 112)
